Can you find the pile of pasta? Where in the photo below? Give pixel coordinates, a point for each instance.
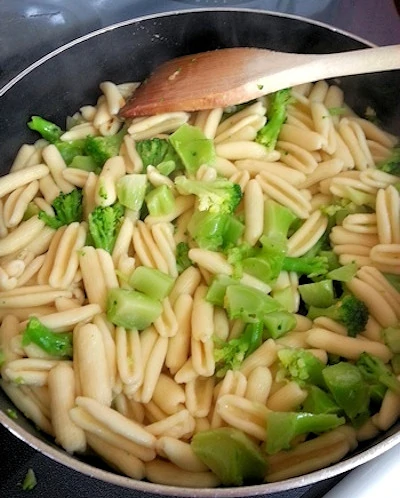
(136, 398)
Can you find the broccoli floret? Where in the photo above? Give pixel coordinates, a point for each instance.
(348, 310)
(374, 371)
(182, 257)
(301, 366)
(49, 131)
(219, 196)
(67, 208)
(55, 344)
(230, 355)
(154, 151)
(312, 267)
(102, 148)
(276, 116)
(391, 165)
(104, 225)
(69, 150)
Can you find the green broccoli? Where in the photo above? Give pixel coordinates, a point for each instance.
(192, 147)
(277, 221)
(374, 370)
(348, 310)
(312, 267)
(301, 366)
(231, 455)
(104, 225)
(230, 355)
(102, 148)
(276, 116)
(214, 231)
(391, 165)
(29, 481)
(283, 427)
(67, 207)
(155, 151)
(49, 131)
(219, 196)
(391, 336)
(55, 344)
(182, 257)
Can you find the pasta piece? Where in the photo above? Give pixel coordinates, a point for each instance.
(258, 385)
(62, 395)
(129, 358)
(288, 398)
(169, 395)
(179, 344)
(203, 356)
(166, 473)
(243, 414)
(348, 347)
(388, 215)
(307, 235)
(93, 367)
(180, 454)
(142, 128)
(202, 322)
(180, 425)
(253, 212)
(199, 394)
(106, 186)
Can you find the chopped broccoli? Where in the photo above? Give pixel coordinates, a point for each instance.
(301, 366)
(69, 150)
(155, 151)
(219, 196)
(102, 148)
(2, 357)
(348, 310)
(319, 401)
(391, 336)
(277, 221)
(152, 282)
(55, 344)
(276, 116)
(374, 370)
(214, 231)
(29, 481)
(248, 304)
(49, 131)
(182, 257)
(12, 414)
(349, 390)
(104, 225)
(160, 201)
(312, 267)
(278, 323)
(283, 427)
(193, 147)
(319, 294)
(67, 207)
(231, 455)
(132, 309)
(131, 191)
(391, 165)
(230, 355)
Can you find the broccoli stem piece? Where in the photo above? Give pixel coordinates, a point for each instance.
(278, 323)
(248, 304)
(283, 427)
(131, 191)
(302, 366)
(132, 309)
(276, 114)
(374, 370)
(319, 401)
(231, 455)
(152, 282)
(349, 310)
(55, 344)
(391, 336)
(193, 148)
(319, 294)
(48, 130)
(160, 201)
(348, 388)
(343, 273)
(277, 221)
(68, 209)
(220, 196)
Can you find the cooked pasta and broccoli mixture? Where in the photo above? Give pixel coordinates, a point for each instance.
(205, 299)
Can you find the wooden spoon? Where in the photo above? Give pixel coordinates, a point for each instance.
(230, 76)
